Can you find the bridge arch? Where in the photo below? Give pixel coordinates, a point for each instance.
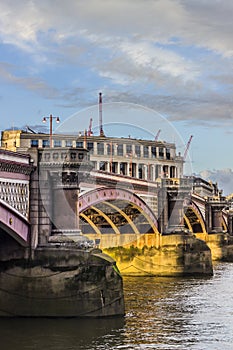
(194, 220)
(14, 223)
(111, 210)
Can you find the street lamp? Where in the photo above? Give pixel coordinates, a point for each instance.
(50, 126)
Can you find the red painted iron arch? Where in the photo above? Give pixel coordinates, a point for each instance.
(14, 223)
(103, 194)
(199, 217)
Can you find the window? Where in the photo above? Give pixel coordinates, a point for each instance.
(72, 155)
(63, 156)
(80, 156)
(153, 152)
(103, 166)
(168, 153)
(138, 150)
(55, 156)
(47, 156)
(161, 152)
(109, 149)
(79, 144)
(145, 151)
(128, 149)
(120, 150)
(100, 148)
(68, 143)
(45, 143)
(165, 170)
(123, 168)
(57, 143)
(90, 146)
(34, 143)
(140, 171)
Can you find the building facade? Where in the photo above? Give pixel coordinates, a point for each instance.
(137, 158)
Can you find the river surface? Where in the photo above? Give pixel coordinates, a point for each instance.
(161, 313)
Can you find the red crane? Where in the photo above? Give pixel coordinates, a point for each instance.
(90, 132)
(187, 147)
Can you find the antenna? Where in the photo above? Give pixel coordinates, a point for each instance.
(100, 115)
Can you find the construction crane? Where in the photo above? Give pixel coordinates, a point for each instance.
(90, 132)
(187, 147)
(28, 128)
(157, 135)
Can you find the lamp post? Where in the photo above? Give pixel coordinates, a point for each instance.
(50, 126)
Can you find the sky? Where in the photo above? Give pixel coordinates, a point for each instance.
(170, 60)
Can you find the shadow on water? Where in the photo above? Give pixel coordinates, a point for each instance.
(44, 333)
(161, 314)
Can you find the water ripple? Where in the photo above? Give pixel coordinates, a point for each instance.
(161, 314)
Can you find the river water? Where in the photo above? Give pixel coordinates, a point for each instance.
(161, 313)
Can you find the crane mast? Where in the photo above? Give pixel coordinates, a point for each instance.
(157, 135)
(90, 132)
(187, 147)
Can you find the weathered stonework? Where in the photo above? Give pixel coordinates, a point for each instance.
(177, 255)
(61, 281)
(221, 246)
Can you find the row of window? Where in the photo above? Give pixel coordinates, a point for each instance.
(117, 149)
(63, 156)
(138, 152)
(138, 170)
(57, 143)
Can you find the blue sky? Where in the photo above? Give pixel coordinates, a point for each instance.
(174, 57)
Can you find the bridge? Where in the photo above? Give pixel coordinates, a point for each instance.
(42, 196)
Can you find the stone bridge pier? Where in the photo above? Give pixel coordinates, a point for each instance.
(58, 188)
(230, 221)
(173, 201)
(214, 211)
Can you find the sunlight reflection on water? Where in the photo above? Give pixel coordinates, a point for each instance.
(161, 313)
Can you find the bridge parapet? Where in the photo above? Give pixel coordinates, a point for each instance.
(15, 170)
(16, 194)
(15, 173)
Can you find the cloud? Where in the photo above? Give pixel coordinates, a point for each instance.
(148, 62)
(207, 24)
(224, 178)
(172, 55)
(33, 84)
